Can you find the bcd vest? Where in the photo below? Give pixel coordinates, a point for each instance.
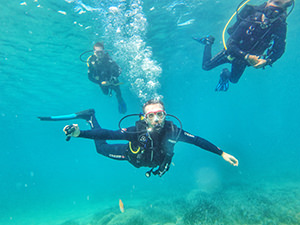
(151, 149)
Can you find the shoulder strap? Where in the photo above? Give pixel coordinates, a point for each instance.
(241, 15)
(88, 60)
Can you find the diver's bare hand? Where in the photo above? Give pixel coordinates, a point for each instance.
(72, 130)
(261, 63)
(229, 158)
(252, 59)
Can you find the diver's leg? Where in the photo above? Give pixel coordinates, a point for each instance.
(121, 103)
(104, 89)
(113, 151)
(117, 90)
(223, 84)
(210, 62)
(237, 69)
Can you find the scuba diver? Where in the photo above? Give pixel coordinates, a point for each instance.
(256, 39)
(151, 140)
(103, 71)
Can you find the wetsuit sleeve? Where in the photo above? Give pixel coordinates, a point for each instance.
(105, 134)
(200, 142)
(278, 47)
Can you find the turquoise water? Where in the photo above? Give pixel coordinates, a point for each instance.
(46, 180)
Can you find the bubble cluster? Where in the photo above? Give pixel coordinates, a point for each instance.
(125, 27)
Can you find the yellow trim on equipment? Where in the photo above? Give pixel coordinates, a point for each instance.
(134, 152)
(223, 34)
(87, 61)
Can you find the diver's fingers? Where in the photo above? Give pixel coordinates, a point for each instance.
(253, 60)
(258, 65)
(229, 158)
(66, 128)
(261, 64)
(234, 161)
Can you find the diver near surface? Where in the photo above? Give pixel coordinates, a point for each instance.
(151, 140)
(103, 71)
(256, 39)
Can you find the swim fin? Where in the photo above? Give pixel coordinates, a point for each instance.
(223, 84)
(207, 40)
(86, 115)
(122, 107)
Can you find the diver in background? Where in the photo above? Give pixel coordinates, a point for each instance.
(103, 71)
(151, 140)
(256, 39)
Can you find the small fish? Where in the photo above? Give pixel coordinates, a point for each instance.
(121, 205)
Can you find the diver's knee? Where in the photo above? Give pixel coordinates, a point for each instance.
(234, 80)
(100, 150)
(206, 67)
(100, 147)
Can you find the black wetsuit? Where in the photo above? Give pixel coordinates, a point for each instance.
(249, 36)
(104, 69)
(144, 149)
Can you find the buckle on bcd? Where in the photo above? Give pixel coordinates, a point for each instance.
(230, 58)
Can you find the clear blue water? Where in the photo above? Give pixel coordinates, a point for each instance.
(46, 180)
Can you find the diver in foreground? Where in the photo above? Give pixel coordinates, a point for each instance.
(256, 39)
(151, 140)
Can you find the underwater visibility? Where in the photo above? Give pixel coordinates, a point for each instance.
(149, 112)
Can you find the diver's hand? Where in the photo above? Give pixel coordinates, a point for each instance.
(113, 80)
(162, 169)
(229, 158)
(105, 83)
(252, 59)
(72, 130)
(261, 63)
(256, 61)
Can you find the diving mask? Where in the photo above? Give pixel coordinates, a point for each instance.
(99, 52)
(273, 12)
(157, 115)
(155, 119)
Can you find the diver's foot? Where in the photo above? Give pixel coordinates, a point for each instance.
(86, 114)
(207, 40)
(223, 84)
(122, 107)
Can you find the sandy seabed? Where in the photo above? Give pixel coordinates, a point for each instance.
(238, 204)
